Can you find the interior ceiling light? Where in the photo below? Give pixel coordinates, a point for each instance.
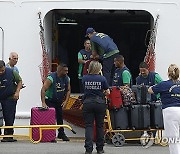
(66, 21)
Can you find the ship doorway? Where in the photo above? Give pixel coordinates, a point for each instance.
(128, 29)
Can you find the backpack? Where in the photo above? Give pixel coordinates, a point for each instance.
(128, 96)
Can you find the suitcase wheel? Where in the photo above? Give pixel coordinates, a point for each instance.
(132, 107)
(118, 140)
(133, 128)
(156, 126)
(146, 140)
(148, 107)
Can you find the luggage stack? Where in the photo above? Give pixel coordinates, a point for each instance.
(153, 116)
(118, 112)
(156, 115)
(139, 115)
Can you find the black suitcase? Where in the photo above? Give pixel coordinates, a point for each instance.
(121, 118)
(141, 93)
(111, 112)
(156, 115)
(140, 116)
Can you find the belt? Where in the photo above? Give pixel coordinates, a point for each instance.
(109, 54)
(94, 97)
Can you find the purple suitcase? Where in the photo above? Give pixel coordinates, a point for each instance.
(41, 116)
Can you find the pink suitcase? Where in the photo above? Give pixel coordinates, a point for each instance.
(41, 116)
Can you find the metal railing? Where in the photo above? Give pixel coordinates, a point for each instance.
(41, 128)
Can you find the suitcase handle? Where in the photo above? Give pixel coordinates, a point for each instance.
(43, 108)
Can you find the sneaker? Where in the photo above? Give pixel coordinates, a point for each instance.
(100, 152)
(8, 139)
(63, 137)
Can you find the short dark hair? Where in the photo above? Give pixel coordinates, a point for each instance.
(2, 63)
(120, 58)
(143, 65)
(61, 66)
(86, 40)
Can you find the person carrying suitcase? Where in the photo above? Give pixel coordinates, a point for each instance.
(94, 106)
(55, 93)
(170, 97)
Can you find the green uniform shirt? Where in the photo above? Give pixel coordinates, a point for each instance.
(80, 66)
(17, 79)
(49, 92)
(126, 77)
(158, 79)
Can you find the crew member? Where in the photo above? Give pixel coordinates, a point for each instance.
(83, 56)
(148, 78)
(105, 48)
(122, 75)
(170, 96)
(10, 85)
(55, 93)
(94, 106)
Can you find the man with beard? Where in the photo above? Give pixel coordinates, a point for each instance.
(148, 78)
(55, 93)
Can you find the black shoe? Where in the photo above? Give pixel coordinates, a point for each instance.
(53, 141)
(8, 139)
(88, 152)
(100, 152)
(63, 137)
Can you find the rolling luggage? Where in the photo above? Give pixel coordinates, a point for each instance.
(121, 118)
(115, 98)
(141, 93)
(42, 116)
(1, 116)
(156, 115)
(111, 112)
(140, 116)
